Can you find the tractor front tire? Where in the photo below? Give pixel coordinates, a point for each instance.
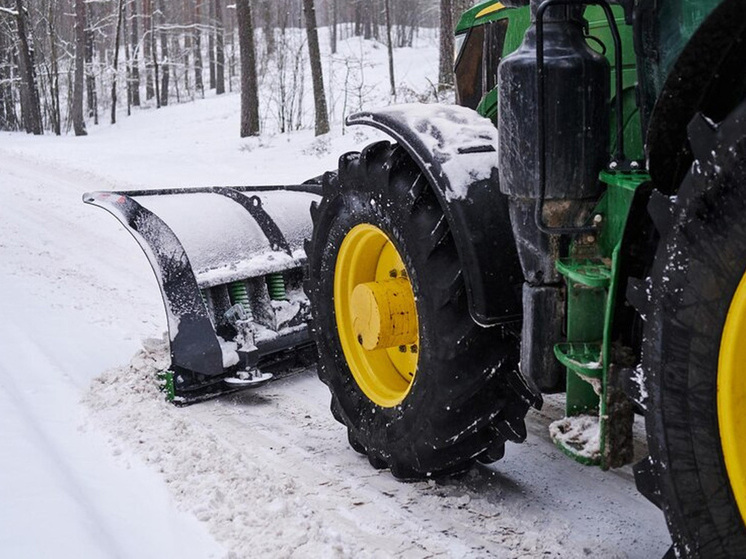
(694, 349)
(425, 391)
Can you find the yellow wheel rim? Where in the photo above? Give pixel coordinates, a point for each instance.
(731, 390)
(376, 315)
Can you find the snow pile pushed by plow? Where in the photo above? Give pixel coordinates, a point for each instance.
(270, 474)
(247, 508)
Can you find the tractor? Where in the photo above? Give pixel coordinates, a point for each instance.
(569, 226)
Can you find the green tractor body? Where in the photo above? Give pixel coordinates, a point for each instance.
(682, 75)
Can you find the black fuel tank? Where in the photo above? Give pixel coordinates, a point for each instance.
(576, 97)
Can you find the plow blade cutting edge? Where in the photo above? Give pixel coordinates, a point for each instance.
(229, 264)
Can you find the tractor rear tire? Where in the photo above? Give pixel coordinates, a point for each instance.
(466, 398)
(697, 439)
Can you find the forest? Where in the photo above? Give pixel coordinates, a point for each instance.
(66, 65)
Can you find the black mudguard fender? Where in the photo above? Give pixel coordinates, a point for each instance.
(456, 149)
(708, 77)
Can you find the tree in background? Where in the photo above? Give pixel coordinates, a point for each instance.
(80, 48)
(147, 38)
(197, 44)
(445, 68)
(319, 99)
(30, 104)
(120, 10)
(390, 48)
(249, 90)
(53, 72)
(333, 12)
(134, 81)
(219, 49)
(8, 117)
(211, 43)
(164, 65)
(169, 37)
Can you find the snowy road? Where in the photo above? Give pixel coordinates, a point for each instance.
(264, 474)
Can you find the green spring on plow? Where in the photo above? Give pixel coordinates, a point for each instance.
(276, 287)
(239, 295)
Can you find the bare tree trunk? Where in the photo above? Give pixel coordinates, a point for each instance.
(211, 43)
(322, 119)
(445, 71)
(390, 45)
(165, 64)
(333, 34)
(127, 59)
(90, 78)
(148, 51)
(80, 48)
(185, 53)
(269, 27)
(54, 84)
(219, 50)
(156, 66)
(367, 23)
(135, 39)
(459, 7)
(199, 83)
(31, 106)
(8, 118)
(117, 37)
(249, 94)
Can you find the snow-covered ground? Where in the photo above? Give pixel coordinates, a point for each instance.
(94, 464)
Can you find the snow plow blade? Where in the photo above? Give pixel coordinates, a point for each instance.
(229, 264)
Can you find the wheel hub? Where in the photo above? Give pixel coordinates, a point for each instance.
(384, 314)
(376, 315)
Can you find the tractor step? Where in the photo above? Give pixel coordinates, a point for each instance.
(581, 358)
(597, 428)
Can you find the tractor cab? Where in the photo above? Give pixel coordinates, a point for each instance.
(480, 43)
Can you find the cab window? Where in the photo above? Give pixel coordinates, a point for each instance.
(477, 61)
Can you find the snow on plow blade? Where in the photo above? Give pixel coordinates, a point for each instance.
(229, 266)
